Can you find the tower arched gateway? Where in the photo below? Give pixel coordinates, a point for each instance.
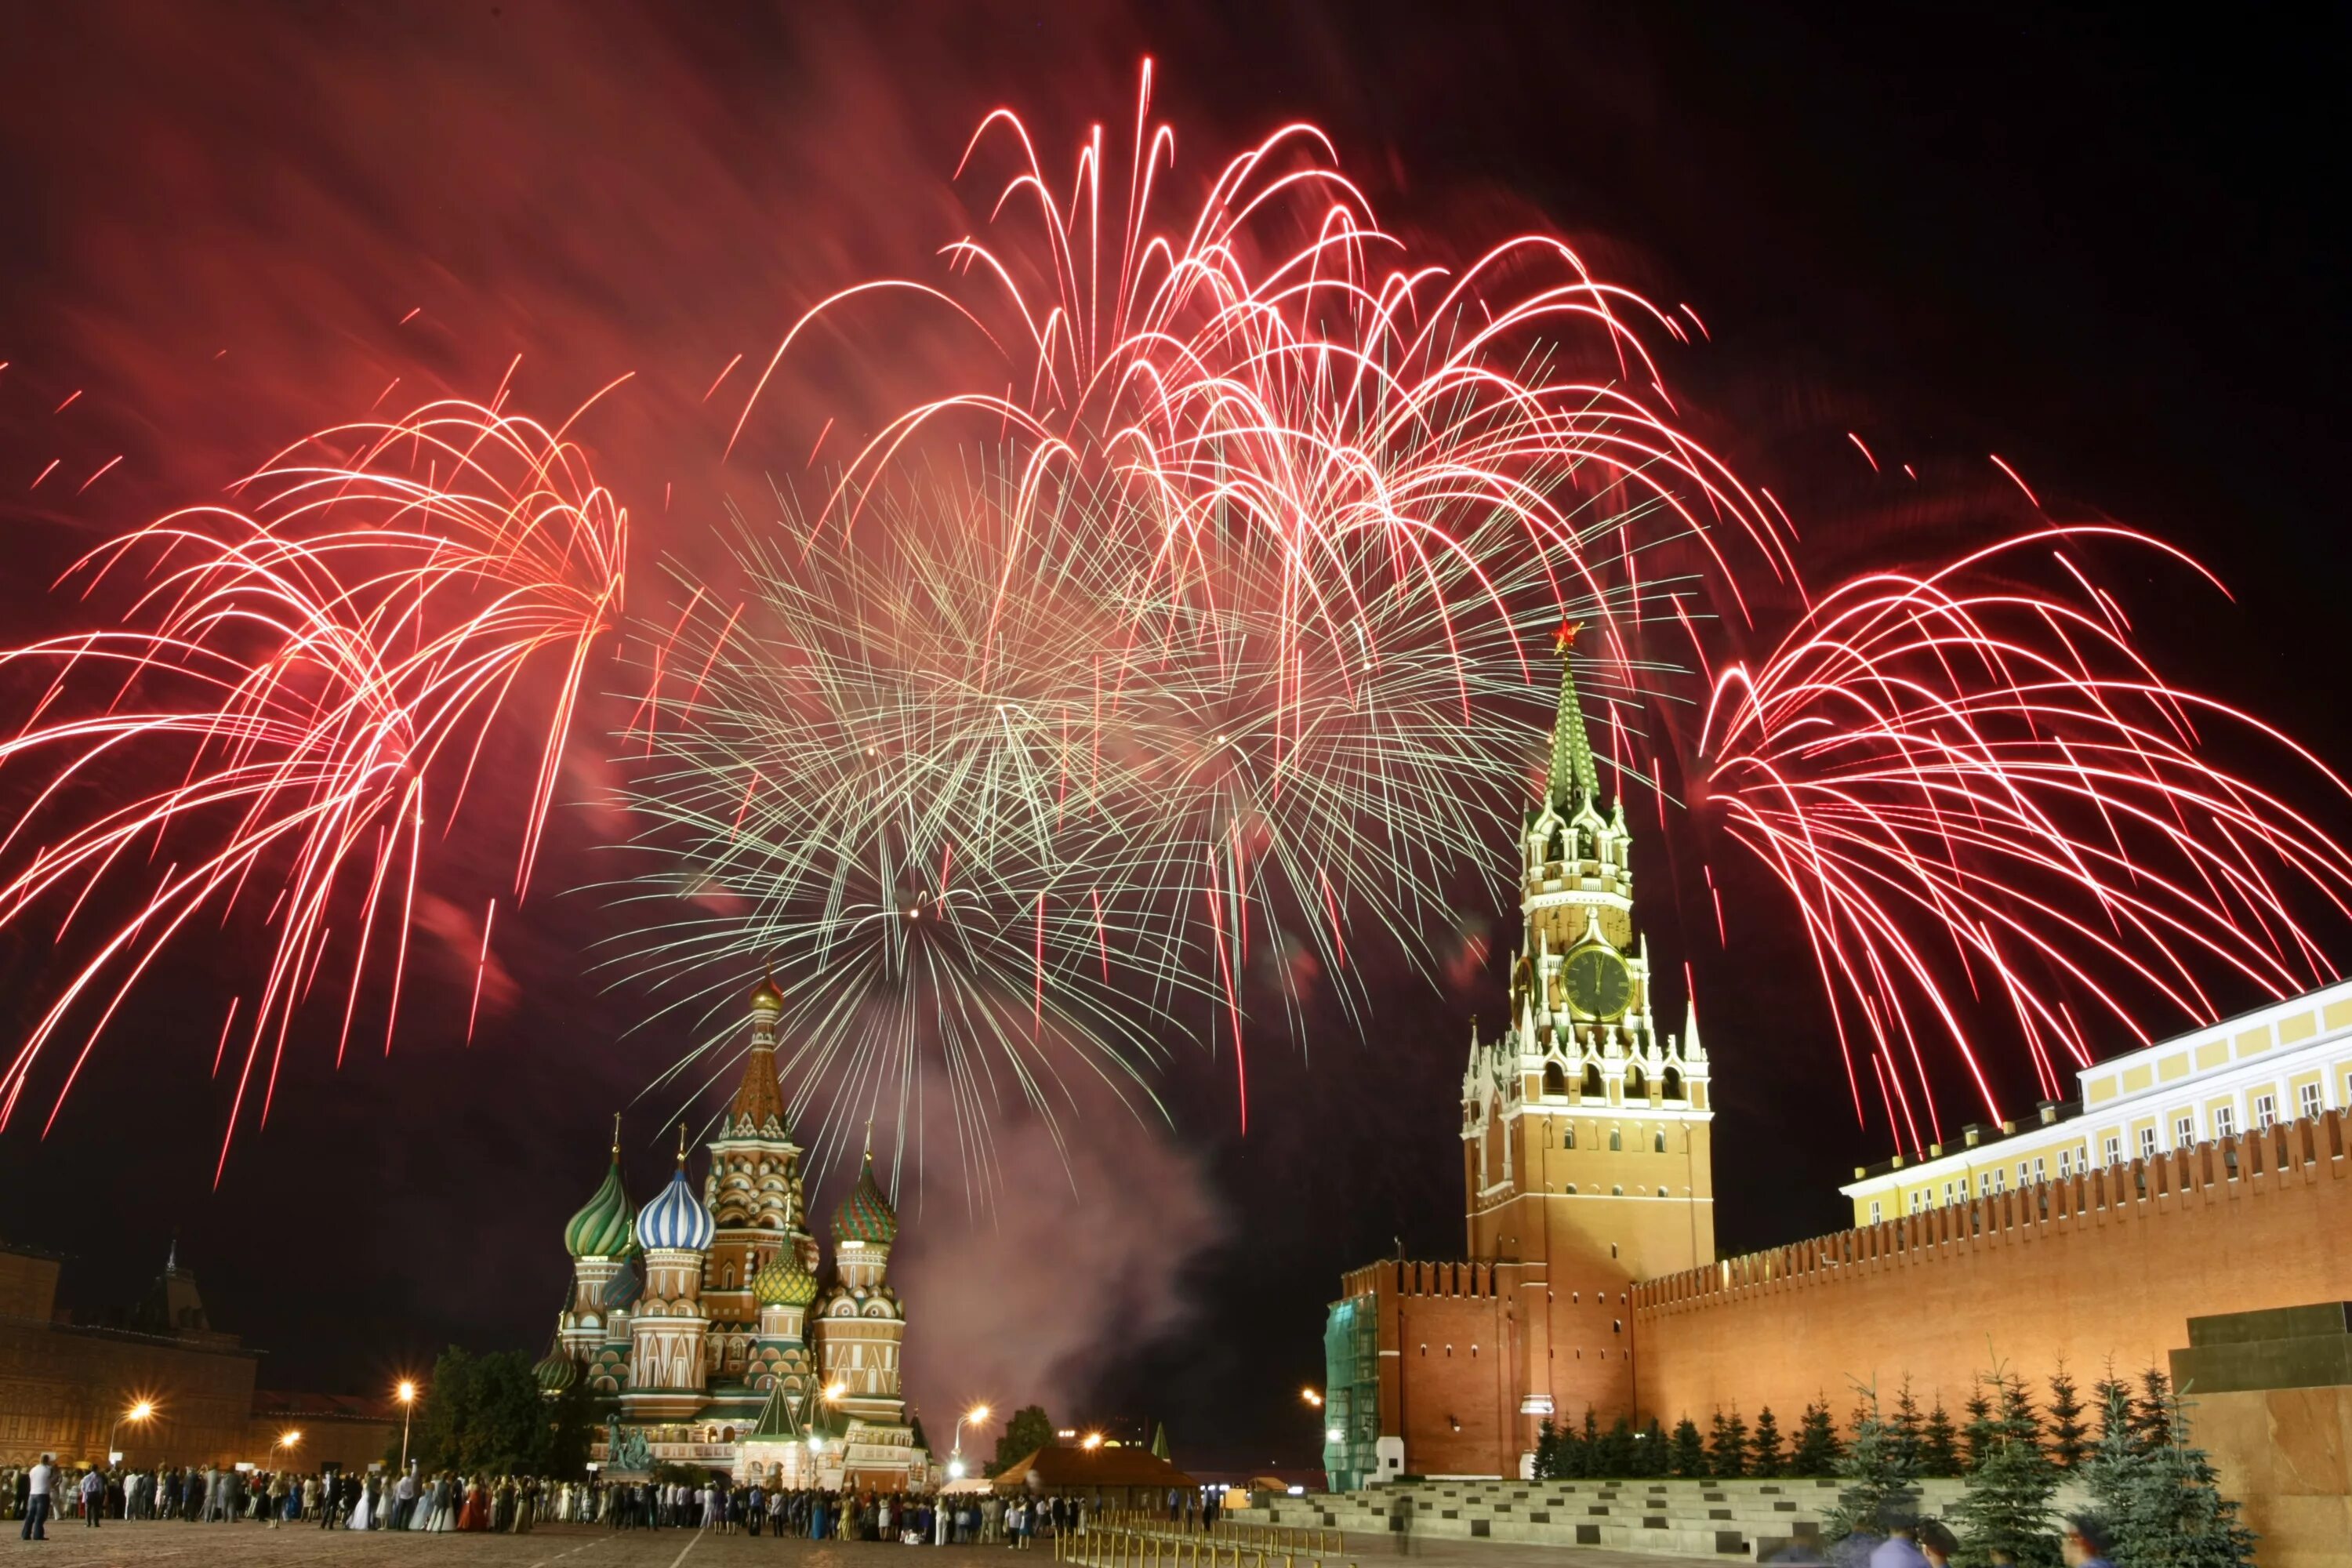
(1587, 1166)
(696, 1320)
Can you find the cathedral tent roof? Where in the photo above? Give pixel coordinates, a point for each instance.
(757, 1098)
(777, 1422)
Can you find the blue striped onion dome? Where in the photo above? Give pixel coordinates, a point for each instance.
(785, 1281)
(676, 1219)
(865, 1215)
(601, 1228)
(557, 1373)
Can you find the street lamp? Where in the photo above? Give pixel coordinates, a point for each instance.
(974, 1416)
(1311, 1397)
(1092, 1441)
(138, 1413)
(285, 1440)
(406, 1394)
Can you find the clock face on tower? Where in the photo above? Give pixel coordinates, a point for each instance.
(1598, 982)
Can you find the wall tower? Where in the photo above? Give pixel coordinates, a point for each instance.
(1586, 1134)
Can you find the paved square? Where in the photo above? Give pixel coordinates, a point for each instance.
(176, 1545)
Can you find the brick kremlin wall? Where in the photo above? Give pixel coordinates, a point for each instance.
(2107, 1264)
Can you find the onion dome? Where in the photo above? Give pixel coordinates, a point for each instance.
(675, 1220)
(601, 1228)
(785, 1281)
(765, 997)
(865, 1215)
(622, 1290)
(557, 1373)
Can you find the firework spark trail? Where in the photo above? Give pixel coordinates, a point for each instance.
(1975, 791)
(1259, 423)
(1121, 779)
(303, 675)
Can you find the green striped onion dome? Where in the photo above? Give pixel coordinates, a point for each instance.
(785, 1281)
(601, 1228)
(557, 1373)
(865, 1215)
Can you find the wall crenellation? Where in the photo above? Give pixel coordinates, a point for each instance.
(2306, 1149)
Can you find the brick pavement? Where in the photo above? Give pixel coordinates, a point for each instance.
(176, 1545)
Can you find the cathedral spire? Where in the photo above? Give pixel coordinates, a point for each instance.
(758, 1101)
(1575, 781)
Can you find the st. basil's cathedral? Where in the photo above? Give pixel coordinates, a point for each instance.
(700, 1322)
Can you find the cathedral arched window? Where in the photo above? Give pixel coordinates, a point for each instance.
(1634, 1084)
(1567, 1136)
(1658, 1141)
(1593, 1080)
(1555, 1081)
(1674, 1083)
(1616, 1141)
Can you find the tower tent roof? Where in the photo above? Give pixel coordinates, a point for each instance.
(1575, 781)
(757, 1100)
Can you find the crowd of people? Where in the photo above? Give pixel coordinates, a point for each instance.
(959, 1519)
(43, 1493)
(89, 1496)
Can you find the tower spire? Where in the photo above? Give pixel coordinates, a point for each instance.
(1574, 779)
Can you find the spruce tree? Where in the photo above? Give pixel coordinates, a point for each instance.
(2069, 1439)
(1877, 1473)
(1818, 1449)
(1940, 1449)
(1764, 1446)
(2172, 1512)
(1615, 1454)
(1652, 1450)
(2113, 1398)
(1689, 1454)
(1587, 1448)
(2107, 1470)
(1976, 1431)
(1727, 1449)
(1547, 1459)
(1903, 1427)
(2152, 1418)
(2007, 1507)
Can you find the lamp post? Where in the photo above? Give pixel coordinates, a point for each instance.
(406, 1394)
(138, 1413)
(972, 1418)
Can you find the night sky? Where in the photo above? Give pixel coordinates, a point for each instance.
(2109, 250)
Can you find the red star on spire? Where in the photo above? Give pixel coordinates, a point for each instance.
(1567, 637)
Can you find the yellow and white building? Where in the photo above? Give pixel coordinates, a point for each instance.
(2278, 1063)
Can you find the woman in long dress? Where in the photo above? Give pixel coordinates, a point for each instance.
(475, 1514)
(363, 1511)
